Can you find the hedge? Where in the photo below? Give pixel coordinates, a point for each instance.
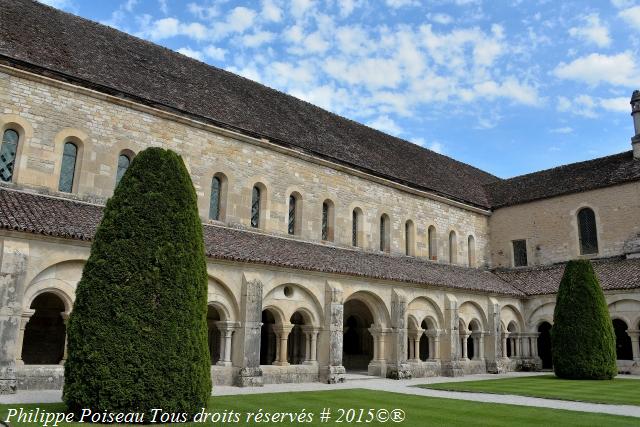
(137, 335)
(582, 337)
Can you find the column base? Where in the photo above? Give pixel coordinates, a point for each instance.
(8, 382)
(223, 363)
(401, 371)
(334, 374)
(498, 366)
(452, 369)
(280, 363)
(310, 362)
(249, 377)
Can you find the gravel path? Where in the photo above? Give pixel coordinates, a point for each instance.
(374, 383)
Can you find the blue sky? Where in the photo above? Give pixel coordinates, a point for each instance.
(509, 86)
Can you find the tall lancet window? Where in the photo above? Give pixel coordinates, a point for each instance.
(68, 169)
(588, 231)
(8, 154)
(123, 164)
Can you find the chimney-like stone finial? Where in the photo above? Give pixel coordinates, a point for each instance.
(635, 113)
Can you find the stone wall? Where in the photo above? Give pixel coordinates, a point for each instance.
(551, 229)
(46, 114)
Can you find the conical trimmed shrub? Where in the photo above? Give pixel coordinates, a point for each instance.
(137, 335)
(582, 337)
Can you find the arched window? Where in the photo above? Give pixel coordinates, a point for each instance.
(471, 251)
(327, 220)
(453, 248)
(123, 164)
(433, 243)
(217, 201)
(385, 233)
(8, 154)
(256, 201)
(68, 169)
(294, 223)
(356, 230)
(587, 231)
(409, 238)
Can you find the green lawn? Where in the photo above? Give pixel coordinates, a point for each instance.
(420, 411)
(617, 391)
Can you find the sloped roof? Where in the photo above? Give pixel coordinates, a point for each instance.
(64, 46)
(615, 273)
(572, 178)
(59, 217)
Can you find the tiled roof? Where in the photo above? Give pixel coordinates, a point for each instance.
(614, 274)
(64, 46)
(58, 217)
(573, 178)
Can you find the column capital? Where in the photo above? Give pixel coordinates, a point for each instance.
(283, 329)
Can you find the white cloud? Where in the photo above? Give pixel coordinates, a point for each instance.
(257, 39)
(346, 7)
(300, 7)
(562, 130)
(271, 11)
(622, 3)
(240, 19)
(58, 4)
(440, 18)
(631, 16)
(215, 53)
(164, 8)
(206, 12)
(593, 31)
(385, 124)
(588, 106)
(596, 68)
(195, 54)
(438, 147)
(401, 3)
(619, 104)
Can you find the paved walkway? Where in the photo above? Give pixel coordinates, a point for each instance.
(382, 384)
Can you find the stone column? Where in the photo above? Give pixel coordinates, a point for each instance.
(398, 366)
(65, 319)
(493, 347)
(480, 347)
(282, 336)
(311, 338)
(14, 257)
(250, 373)
(464, 338)
(634, 334)
(331, 338)
(534, 344)
(505, 338)
(24, 319)
(434, 345)
(519, 346)
(226, 333)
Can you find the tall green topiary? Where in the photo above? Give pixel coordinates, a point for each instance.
(137, 336)
(582, 337)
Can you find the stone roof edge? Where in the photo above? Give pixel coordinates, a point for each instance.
(39, 74)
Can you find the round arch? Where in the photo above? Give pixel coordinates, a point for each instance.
(469, 310)
(423, 307)
(375, 304)
(219, 295)
(291, 297)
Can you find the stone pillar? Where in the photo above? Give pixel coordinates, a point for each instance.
(480, 347)
(332, 370)
(398, 366)
(505, 338)
(282, 336)
(464, 337)
(534, 344)
(24, 319)
(450, 342)
(65, 319)
(519, 346)
(494, 345)
(250, 373)
(226, 333)
(14, 257)
(634, 334)
(434, 344)
(311, 338)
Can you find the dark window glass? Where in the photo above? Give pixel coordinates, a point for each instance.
(8, 154)
(255, 207)
(123, 165)
(383, 234)
(325, 221)
(292, 214)
(354, 228)
(68, 169)
(520, 253)
(214, 203)
(588, 232)
(407, 238)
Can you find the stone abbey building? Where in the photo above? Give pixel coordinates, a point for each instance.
(331, 247)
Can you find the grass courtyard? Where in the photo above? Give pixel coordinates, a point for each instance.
(618, 391)
(420, 411)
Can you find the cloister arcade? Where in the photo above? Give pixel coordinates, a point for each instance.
(293, 329)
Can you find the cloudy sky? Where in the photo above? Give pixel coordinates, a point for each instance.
(509, 86)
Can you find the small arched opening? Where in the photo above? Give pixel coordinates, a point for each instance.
(45, 333)
(544, 345)
(268, 341)
(214, 335)
(296, 342)
(357, 340)
(623, 340)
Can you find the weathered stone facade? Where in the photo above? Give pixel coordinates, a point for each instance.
(271, 324)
